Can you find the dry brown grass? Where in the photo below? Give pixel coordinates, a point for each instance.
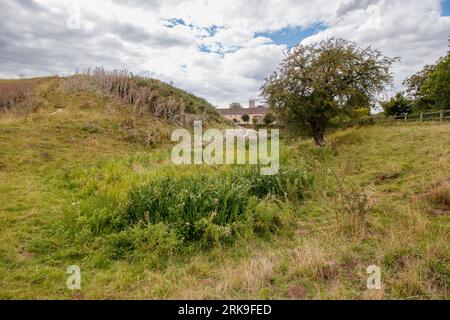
(14, 92)
(19, 97)
(439, 195)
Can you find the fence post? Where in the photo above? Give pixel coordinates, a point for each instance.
(442, 117)
(406, 117)
(421, 116)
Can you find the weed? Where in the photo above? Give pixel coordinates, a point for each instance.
(351, 210)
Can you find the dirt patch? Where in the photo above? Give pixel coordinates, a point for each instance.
(208, 282)
(46, 155)
(138, 168)
(327, 273)
(24, 254)
(77, 296)
(387, 177)
(87, 105)
(348, 267)
(296, 292)
(301, 232)
(56, 112)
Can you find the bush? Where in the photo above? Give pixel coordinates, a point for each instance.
(183, 201)
(397, 106)
(157, 239)
(17, 96)
(290, 182)
(14, 92)
(190, 209)
(269, 118)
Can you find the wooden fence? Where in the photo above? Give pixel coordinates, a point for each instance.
(440, 116)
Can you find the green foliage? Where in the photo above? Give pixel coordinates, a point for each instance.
(245, 118)
(398, 105)
(158, 239)
(235, 105)
(430, 87)
(437, 85)
(290, 182)
(319, 83)
(269, 218)
(200, 209)
(269, 118)
(182, 201)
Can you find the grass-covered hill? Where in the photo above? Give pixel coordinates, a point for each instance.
(86, 179)
(142, 95)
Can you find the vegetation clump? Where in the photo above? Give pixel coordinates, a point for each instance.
(18, 96)
(429, 89)
(196, 208)
(143, 94)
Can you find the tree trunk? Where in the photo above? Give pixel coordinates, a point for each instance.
(319, 139)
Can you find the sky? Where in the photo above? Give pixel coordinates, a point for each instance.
(221, 50)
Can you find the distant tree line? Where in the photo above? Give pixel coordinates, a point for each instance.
(426, 90)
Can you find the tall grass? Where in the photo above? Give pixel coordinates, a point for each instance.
(291, 182)
(204, 209)
(17, 96)
(143, 94)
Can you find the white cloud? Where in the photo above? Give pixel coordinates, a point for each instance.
(211, 48)
(414, 30)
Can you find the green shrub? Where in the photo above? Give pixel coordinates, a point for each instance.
(163, 214)
(183, 201)
(157, 239)
(290, 182)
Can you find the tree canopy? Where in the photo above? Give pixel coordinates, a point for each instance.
(437, 84)
(320, 83)
(398, 105)
(430, 87)
(269, 118)
(235, 105)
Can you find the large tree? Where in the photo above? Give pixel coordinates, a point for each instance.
(437, 85)
(319, 83)
(430, 87)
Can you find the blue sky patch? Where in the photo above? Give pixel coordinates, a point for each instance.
(170, 23)
(446, 8)
(212, 30)
(292, 36)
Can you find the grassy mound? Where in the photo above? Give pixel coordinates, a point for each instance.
(79, 186)
(152, 96)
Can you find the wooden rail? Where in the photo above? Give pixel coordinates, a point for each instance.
(441, 116)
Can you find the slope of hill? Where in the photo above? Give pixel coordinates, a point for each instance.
(76, 173)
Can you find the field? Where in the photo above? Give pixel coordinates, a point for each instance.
(78, 175)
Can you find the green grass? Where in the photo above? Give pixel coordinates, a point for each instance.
(75, 189)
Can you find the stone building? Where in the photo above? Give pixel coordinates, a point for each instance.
(235, 114)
